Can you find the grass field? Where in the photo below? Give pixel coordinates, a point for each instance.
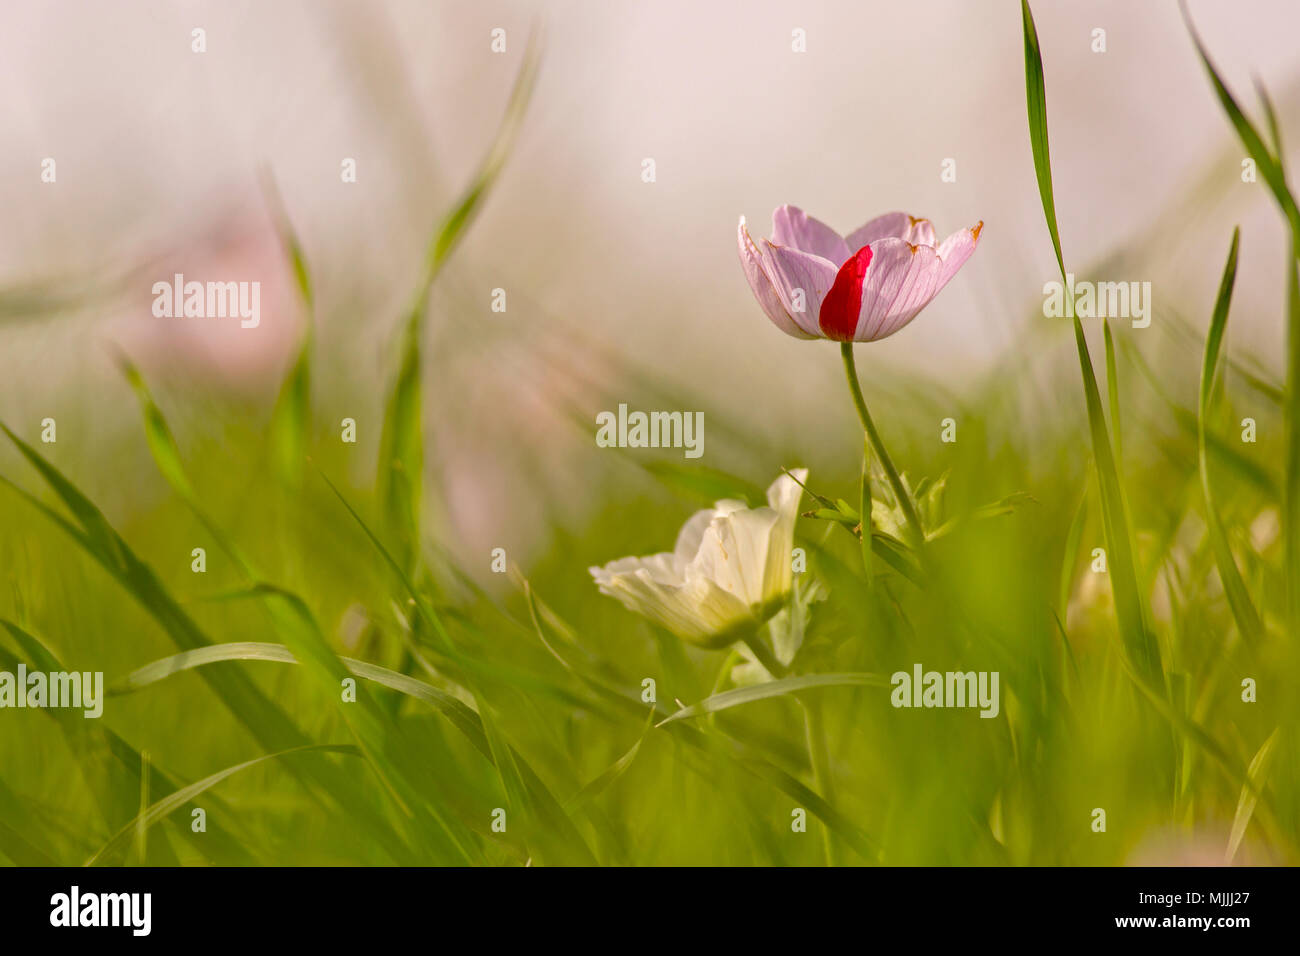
(340, 684)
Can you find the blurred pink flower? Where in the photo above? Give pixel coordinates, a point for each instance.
(812, 284)
(237, 244)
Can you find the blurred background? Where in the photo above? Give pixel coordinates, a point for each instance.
(619, 290)
(158, 153)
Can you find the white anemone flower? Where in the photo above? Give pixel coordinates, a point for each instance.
(729, 572)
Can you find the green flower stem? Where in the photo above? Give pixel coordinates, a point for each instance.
(765, 656)
(900, 490)
(819, 757)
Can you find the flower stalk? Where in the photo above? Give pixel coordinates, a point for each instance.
(895, 481)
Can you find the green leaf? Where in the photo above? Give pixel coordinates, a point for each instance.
(1243, 609)
(777, 688)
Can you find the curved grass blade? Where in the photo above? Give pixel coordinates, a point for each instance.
(401, 445)
(1036, 99)
(1243, 609)
(777, 688)
(167, 456)
(739, 754)
(173, 801)
(599, 784)
(549, 809)
(18, 828)
(1069, 558)
(268, 724)
(1139, 643)
(1270, 165)
(291, 418)
(1258, 776)
(110, 766)
(461, 716)
(1112, 395)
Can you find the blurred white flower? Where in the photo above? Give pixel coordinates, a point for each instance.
(730, 569)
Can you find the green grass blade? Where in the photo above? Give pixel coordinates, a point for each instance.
(162, 445)
(1291, 488)
(704, 484)
(864, 511)
(291, 418)
(1139, 643)
(1270, 166)
(777, 688)
(401, 445)
(167, 456)
(110, 766)
(174, 801)
(1258, 775)
(1112, 395)
(1069, 557)
(461, 717)
(267, 723)
(1243, 609)
(1036, 99)
(606, 778)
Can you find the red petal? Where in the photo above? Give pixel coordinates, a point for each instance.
(838, 318)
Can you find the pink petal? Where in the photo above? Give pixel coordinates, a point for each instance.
(761, 284)
(794, 228)
(957, 248)
(838, 316)
(904, 278)
(899, 283)
(791, 271)
(896, 225)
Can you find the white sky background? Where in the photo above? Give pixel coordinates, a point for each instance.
(154, 141)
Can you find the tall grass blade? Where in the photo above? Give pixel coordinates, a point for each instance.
(1243, 609)
(1258, 775)
(777, 688)
(1139, 643)
(173, 801)
(401, 446)
(291, 418)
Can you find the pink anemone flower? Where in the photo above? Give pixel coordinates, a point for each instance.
(813, 285)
